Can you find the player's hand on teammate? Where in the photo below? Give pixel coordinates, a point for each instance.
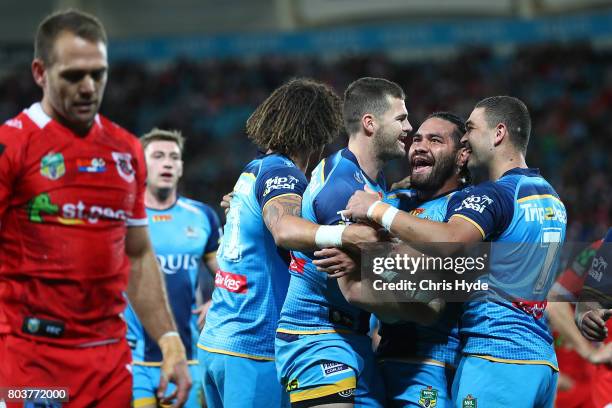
(173, 369)
(201, 311)
(593, 324)
(335, 262)
(355, 235)
(225, 202)
(358, 205)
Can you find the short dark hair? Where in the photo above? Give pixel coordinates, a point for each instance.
(156, 134)
(368, 95)
(77, 22)
(455, 120)
(513, 113)
(300, 116)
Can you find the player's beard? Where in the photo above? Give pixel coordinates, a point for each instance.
(386, 145)
(443, 169)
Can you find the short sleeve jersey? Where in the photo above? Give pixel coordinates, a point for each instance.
(65, 204)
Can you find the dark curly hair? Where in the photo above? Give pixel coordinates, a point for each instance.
(302, 115)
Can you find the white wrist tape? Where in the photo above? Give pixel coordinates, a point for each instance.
(169, 334)
(371, 209)
(388, 217)
(329, 236)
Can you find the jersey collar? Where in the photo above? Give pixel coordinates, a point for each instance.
(518, 171)
(347, 154)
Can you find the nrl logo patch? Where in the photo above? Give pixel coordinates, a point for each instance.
(429, 397)
(52, 166)
(124, 166)
(469, 402)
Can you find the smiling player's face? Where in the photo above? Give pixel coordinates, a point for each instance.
(433, 154)
(390, 137)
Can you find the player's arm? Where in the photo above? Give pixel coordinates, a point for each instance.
(281, 215)
(561, 317)
(360, 293)
(147, 295)
(365, 206)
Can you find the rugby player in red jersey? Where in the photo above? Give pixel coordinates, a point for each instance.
(73, 234)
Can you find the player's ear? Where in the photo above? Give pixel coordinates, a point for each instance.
(180, 169)
(368, 124)
(501, 132)
(39, 72)
(463, 155)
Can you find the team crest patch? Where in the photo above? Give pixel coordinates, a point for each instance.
(52, 166)
(429, 397)
(469, 402)
(124, 166)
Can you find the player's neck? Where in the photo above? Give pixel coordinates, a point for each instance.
(504, 162)
(449, 185)
(160, 199)
(80, 130)
(366, 157)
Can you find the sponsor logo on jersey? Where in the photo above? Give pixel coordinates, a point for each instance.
(476, 203)
(70, 213)
(469, 402)
(292, 385)
(598, 267)
(278, 183)
(95, 165)
(174, 263)
(191, 232)
(333, 368)
(162, 218)
(231, 282)
(536, 213)
(52, 166)
(124, 166)
(417, 211)
(533, 308)
(428, 397)
(297, 264)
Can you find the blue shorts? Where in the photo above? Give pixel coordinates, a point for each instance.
(146, 381)
(412, 384)
(239, 382)
(484, 383)
(329, 365)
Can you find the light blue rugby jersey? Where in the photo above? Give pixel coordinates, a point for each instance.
(440, 341)
(523, 217)
(253, 278)
(181, 236)
(314, 303)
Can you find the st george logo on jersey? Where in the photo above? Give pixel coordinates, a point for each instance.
(124, 166)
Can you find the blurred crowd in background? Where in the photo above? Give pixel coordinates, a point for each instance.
(568, 89)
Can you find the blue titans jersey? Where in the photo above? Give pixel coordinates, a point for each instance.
(314, 303)
(439, 341)
(253, 278)
(181, 235)
(524, 217)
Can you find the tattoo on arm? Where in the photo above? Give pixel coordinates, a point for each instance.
(277, 208)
